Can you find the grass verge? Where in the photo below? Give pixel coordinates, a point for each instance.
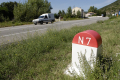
(12, 23)
(69, 19)
(45, 57)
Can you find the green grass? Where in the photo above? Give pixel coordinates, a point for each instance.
(69, 19)
(12, 23)
(45, 57)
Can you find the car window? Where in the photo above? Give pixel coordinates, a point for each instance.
(41, 17)
(46, 16)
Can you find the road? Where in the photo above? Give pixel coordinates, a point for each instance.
(17, 33)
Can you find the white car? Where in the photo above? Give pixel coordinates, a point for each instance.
(44, 18)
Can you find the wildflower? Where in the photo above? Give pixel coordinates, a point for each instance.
(8, 40)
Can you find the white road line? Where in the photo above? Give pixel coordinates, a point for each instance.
(23, 32)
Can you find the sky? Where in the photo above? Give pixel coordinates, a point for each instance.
(64, 4)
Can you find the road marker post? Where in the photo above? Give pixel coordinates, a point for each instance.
(88, 44)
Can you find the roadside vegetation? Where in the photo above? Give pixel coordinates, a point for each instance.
(112, 8)
(45, 57)
(69, 19)
(66, 16)
(12, 23)
(13, 13)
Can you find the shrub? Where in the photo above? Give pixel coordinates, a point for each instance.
(31, 9)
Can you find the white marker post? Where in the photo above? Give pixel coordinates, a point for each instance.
(85, 43)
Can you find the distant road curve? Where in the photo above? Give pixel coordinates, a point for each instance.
(17, 33)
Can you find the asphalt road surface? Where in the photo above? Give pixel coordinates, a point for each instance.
(18, 33)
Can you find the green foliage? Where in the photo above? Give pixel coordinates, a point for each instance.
(112, 17)
(74, 15)
(69, 19)
(92, 9)
(112, 8)
(7, 23)
(63, 13)
(2, 18)
(44, 57)
(31, 9)
(56, 15)
(78, 14)
(59, 13)
(6, 8)
(94, 15)
(3, 14)
(69, 12)
(64, 19)
(97, 11)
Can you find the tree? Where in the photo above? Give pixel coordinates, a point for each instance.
(78, 14)
(2, 18)
(4, 12)
(59, 13)
(69, 12)
(56, 15)
(92, 9)
(30, 10)
(9, 7)
(63, 13)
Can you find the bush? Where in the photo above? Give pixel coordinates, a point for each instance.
(64, 19)
(112, 17)
(56, 16)
(94, 15)
(2, 18)
(31, 9)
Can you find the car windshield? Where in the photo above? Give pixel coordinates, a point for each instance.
(41, 17)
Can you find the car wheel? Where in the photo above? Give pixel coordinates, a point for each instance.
(35, 23)
(41, 22)
(46, 22)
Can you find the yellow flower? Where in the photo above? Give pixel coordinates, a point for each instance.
(8, 40)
